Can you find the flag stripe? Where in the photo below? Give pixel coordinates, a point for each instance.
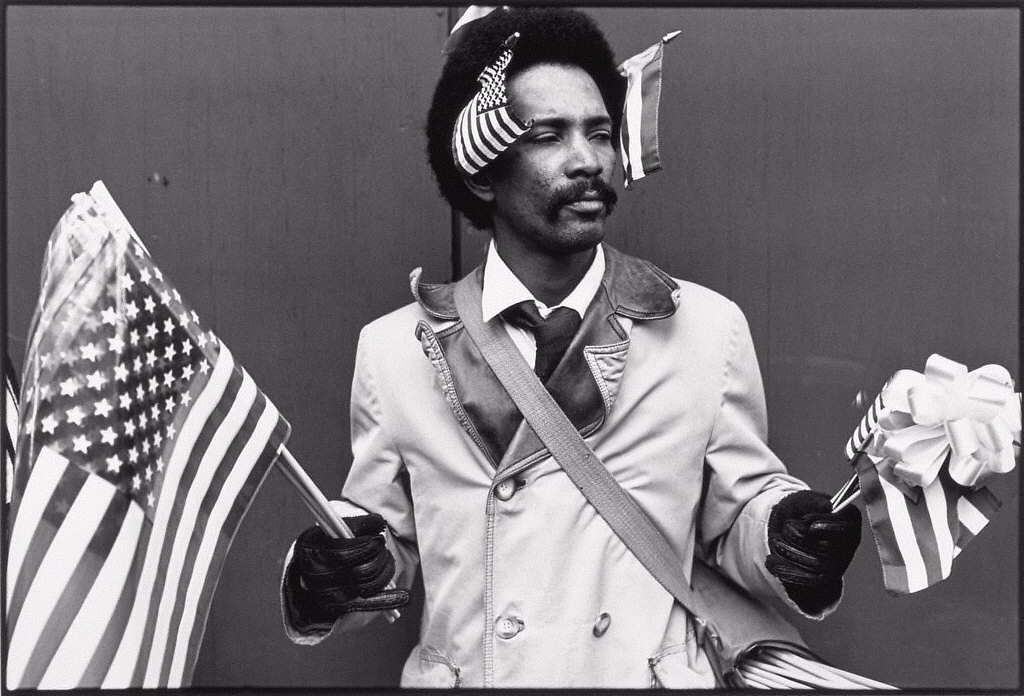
(984, 501)
(224, 513)
(62, 557)
(938, 530)
(200, 466)
(480, 135)
(651, 93)
(625, 128)
(864, 428)
(203, 484)
(81, 580)
(88, 632)
(10, 428)
(971, 518)
(27, 532)
(109, 640)
(893, 567)
(129, 651)
(914, 535)
(472, 13)
(45, 529)
(632, 150)
(238, 510)
(491, 140)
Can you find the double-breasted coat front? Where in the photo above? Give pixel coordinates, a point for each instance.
(526, 586)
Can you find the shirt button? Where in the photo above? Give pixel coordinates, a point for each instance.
(505, 489)
(508, 627)
(604, 620)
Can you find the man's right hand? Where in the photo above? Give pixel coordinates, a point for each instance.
(331, 577)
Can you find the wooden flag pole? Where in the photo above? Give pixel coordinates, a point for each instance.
(321, 508)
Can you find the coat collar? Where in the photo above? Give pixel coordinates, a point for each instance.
(636, 288)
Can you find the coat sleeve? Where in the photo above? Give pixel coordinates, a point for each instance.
(377, 482)
(743, 477)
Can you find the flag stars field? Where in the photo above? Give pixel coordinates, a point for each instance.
(141, 372)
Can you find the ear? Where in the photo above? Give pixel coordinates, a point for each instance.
(480, 185)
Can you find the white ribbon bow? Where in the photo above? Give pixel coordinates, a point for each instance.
(972, 417)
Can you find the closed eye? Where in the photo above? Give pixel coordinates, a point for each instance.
(542, 138)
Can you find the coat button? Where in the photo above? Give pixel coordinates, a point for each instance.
(508, 627)
(604, 620)
(505, 489)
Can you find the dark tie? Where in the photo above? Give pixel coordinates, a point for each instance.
(553, 334)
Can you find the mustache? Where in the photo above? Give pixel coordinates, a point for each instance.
(575, 191)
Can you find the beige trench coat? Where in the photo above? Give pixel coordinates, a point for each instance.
(525, 585)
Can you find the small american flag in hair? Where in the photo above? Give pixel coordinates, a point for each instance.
(487, 126)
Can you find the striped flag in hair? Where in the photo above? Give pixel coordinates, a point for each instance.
(638, 134)
(487, 125)
(141, 446)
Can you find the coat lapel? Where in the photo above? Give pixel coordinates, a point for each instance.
(585, 382)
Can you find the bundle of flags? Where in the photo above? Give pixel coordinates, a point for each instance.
(140, 446)
(487, 126)
(922, 455)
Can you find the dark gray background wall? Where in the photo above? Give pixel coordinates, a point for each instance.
(849, 177)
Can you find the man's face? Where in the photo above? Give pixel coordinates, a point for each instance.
(552, 187)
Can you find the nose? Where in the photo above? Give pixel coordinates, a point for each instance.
(584, 158)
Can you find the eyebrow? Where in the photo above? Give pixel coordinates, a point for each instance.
(561, 122)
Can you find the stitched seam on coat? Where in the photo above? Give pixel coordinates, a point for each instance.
(432, 349)
(488, 628)
(590, 353)
(726, 369)
(379, 409)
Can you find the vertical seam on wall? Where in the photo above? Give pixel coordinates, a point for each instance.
(455, 225)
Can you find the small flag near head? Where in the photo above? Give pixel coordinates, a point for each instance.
(638, 134)
(487, 126)
(140, 447)
(472, 13)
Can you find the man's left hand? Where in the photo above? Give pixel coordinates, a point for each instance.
(810, 547)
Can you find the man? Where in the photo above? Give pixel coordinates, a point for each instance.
(525, 584)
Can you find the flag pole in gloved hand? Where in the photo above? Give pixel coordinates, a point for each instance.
(321, 508)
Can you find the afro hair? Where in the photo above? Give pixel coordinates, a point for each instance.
(547, 35)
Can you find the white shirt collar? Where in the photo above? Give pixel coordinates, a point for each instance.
(502, 289)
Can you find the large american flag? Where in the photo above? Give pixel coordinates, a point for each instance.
(141, 446)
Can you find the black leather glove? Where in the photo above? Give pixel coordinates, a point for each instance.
(810, 547)
(331, 577)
